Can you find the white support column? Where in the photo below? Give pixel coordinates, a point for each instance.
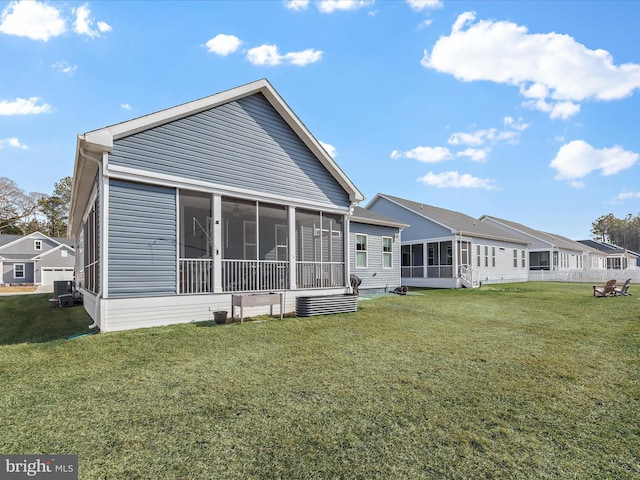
(103, 206)
(217, 243)
(454, 251)
(347, 253)
(293, 266)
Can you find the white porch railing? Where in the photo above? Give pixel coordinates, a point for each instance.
(254, 275)
(469, 277)
(195, 275)
(440, 271)
(320, 274)
(412, 272)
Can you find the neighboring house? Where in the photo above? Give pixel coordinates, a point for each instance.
(35, 259)
(175, 211)
(375, 250)
(617, 258)
(447, 249)
(549, 251)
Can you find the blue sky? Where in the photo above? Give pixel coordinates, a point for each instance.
(527, 111)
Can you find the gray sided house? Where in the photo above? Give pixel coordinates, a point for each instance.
(374, 244)
(175, 211)
(549, 251)
(447, 249)
(618, 258)
(35, 259)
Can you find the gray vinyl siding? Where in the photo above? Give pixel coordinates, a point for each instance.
(243, 144)
(8, 272)
(420, 228)
(142, 240)
(25, 247)
(55, 259)
(374, 276)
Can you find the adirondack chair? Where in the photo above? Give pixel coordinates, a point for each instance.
(606, 291)
(623, 289)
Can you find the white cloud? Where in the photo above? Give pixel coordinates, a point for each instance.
(516, 124)
(64, 67)
(264, 55)
(577, 159)
(126, 106)
(40, 21)
(478, 137)
(425, 154)
(456, 180)
(270, 56)
(331, 150)
(34, 20)
(104, 27)
(12, 142)
(330, 6)
(21, 106)
(424, 24)
(577, 184)
(223, 44)
(419, 5)
(553, 71)
(511, 134)
(475, 154)
(627, 196)
(296, 5)
(83, 24)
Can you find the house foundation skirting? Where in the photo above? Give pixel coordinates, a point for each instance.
(117, 314)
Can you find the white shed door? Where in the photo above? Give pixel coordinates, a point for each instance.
(50, 275)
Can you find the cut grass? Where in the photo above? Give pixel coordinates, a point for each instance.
(534, 380)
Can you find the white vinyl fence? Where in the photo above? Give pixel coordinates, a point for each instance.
(587, 276)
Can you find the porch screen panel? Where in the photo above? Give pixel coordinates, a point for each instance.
(196, 247)
(273, 247)
(319, 249)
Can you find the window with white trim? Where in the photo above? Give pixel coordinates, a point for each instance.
(515, 258)
(361, 250)
(37, 244)
(18, 270)
(282, 243)
(524, 259)
(387, 252)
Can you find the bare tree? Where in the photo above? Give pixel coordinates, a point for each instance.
(17, 209)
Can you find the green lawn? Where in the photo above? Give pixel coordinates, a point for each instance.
(534, 380)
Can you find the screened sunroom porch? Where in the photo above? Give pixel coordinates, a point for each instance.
(231, 244)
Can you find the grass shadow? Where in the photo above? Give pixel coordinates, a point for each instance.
(33, 319)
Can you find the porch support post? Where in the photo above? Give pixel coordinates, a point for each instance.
(347, 254)
(454, 247)
(293, 270)
(425, 260)
(217, 243)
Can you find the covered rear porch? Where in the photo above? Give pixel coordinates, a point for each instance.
(231, 245)
(444, 263)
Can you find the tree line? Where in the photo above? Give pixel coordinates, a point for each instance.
(23, 213)
(623, 232)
